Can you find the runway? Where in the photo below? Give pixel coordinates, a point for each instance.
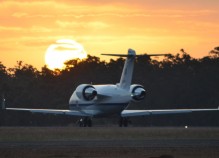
(150, 143)
(65, 142)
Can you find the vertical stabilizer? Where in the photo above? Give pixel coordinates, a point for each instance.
(127, 72)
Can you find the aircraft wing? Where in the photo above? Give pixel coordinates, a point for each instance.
(51, 111)
(130, 113)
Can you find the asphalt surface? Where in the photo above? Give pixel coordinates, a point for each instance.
(149, 143)
(109, 142)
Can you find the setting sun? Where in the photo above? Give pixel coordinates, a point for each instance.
(61, 51)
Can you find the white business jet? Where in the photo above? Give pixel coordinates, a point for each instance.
(90, 101)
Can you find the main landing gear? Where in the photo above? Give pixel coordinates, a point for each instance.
(124, 121)
(85, 122)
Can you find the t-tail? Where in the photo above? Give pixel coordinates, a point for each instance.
(126, 78)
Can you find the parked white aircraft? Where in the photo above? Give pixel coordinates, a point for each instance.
(90, 101)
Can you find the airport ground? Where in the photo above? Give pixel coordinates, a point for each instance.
(110, 142)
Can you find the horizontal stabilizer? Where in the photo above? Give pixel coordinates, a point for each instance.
(129, 55)
(118, 55)
(151, 55)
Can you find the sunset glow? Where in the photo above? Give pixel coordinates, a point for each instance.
(28, 28)
(61, 51)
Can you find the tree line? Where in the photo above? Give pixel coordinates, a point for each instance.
(176, 81)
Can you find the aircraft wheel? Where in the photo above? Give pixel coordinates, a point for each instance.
(123, 122)
(85, 122)
(120, 121)
(89, 122)
(81, 123)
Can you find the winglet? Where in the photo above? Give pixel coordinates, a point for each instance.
(3, 103)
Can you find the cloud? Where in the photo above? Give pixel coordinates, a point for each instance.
(98, 8)
(67, 24)
(26, 15)
(19, 14)
(37, 29)
(97, 25)
(89, 25)
(62, 48)
(36, 43)
(22, 30)
(6, 28)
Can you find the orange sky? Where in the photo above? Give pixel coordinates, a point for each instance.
(27, 28)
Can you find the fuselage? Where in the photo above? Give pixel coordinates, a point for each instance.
(103, 100)
(110, 99)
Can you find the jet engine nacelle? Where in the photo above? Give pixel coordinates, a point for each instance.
(86, 92)
(137, 92)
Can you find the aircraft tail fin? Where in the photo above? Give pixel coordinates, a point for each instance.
(126, 78)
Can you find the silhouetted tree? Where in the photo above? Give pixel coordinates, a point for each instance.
(215, 52)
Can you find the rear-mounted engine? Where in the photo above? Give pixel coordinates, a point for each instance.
(137, 92)
(89, 93)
